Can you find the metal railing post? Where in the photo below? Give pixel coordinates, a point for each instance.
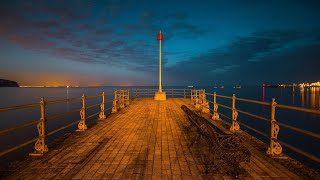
(82, 124)
(102, 116)
(274, 148)
(136, 93)
(184, 93)
(197, 104)
(191, 97)
(205, 105)
(235, 125)
(40, 145)
(172, 93)
(127, 98)
(114, 102)
(121, 99)
(215, 107)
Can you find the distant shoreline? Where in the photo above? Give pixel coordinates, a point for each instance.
(287, 86)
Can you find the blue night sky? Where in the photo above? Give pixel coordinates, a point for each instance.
(66, 42)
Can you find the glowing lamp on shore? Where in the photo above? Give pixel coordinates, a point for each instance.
(160, 36)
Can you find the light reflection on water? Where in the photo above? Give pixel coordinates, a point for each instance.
(307, 97)
(310, 97)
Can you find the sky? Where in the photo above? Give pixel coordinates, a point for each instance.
(114, 43)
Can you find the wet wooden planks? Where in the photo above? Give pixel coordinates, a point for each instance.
(143, 141)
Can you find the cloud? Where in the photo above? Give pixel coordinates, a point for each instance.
(72, 30)
(79, 33)
(30, 41)
(45, 24)
(262, 56)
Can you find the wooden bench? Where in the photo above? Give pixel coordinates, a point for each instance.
(228, 147)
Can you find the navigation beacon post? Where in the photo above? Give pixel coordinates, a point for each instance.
(160, 96)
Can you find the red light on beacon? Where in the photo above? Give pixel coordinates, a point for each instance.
(160, 36)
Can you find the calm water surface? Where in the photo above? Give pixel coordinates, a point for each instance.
(305, 97)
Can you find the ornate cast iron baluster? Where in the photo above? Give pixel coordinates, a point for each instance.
(197, 104)
(235, 125)
(205, 104)
(191, 96)
(82, 124)
(40, 145)
(102, 116)
(114, 102)
(215, 107)
(121, 99)
(127, 96)
(275, 148)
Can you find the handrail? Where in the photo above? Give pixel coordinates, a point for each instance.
(275, 144)
(107, 109)
(145, 89)
(177, 89)
(94, 105)
(63, 114)
(253, 101)
(253, 115)
(62, 100)
(93, 115)
(255, 130)
(300, 130)
(298, 108)
(105, 94)
(108, 101)
(62, 128)
(227, 107)
(171, 92)
(18, 107)
(225, 116)
(18, 146)
(228, 97)
(89, 97)
(18, 127)
(210, 101)
(308, 155)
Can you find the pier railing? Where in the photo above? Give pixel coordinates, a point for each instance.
(120, 100)
(171, 93)
(200, 99)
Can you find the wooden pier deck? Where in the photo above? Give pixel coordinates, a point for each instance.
(146, 140)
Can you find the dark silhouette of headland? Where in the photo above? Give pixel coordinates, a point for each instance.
(8, 83)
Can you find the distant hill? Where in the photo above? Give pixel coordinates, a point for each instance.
(8, 83)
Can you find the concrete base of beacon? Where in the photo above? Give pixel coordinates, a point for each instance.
(160, 96)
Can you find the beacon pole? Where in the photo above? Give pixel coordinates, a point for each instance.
(160, 95)
(160, 38)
